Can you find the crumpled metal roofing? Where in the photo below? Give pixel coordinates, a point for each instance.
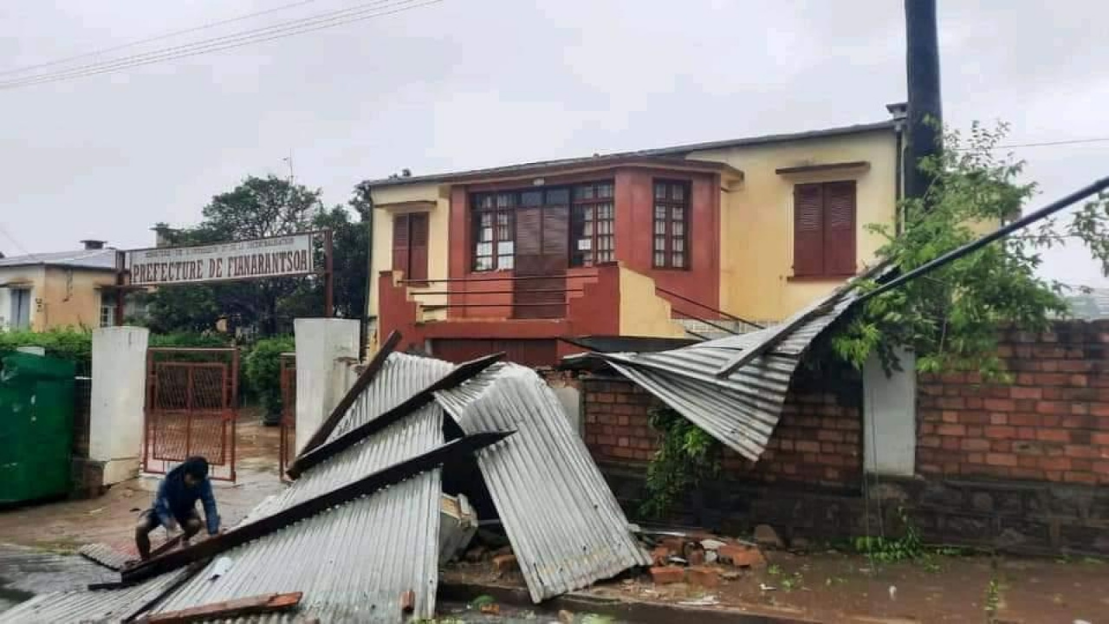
(742, 409)
(353, 562)
(400, 377)
(563, 521)
(86, 606)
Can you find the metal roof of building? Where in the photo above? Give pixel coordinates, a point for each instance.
(742, 409)
(84, 259)
(565, 526)
(672, 152)
(87, 606)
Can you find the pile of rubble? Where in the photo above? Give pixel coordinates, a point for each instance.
(701, 560)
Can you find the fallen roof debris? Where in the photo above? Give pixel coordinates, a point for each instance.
(564, 523)
(357, 534)
(738, 405)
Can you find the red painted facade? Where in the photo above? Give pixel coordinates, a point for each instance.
(480, 302)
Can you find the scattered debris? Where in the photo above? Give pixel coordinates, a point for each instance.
(457, 525)
(741, 556)
(711, 544)
(766, 537)
(566, 617)
(704, 601)
(702, 576)
(223, 564)
(730, 575)
(252, 605)
(667, 575)
(765, 587)
(505, 564)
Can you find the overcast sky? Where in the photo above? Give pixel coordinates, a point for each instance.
(471, 83)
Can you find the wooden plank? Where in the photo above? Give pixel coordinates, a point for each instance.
(264, 603)
(459, 374)
(396, 473)
(367, 376)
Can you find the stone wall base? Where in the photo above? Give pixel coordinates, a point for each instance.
(1015, 517)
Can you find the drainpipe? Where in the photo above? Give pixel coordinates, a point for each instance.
(365, 333)
(923, 89)
(898, 113)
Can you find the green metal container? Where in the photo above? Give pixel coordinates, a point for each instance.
(36, 427)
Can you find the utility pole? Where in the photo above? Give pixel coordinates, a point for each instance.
(923, 90)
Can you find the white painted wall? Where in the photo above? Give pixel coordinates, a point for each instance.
(889, 409)
(325, 348)
(118, 392)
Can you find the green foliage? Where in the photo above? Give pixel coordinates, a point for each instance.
(907, 547)
(263, 371)
(66, 343)
(950, 318)
(687, 456)
(260, 207)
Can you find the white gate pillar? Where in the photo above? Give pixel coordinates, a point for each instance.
(325, 347)
(118, 393)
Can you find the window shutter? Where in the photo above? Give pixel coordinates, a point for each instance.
(418, 246)
(529, 251)
(401, 244)
(840, 228)
(556, 235)
(808, 230)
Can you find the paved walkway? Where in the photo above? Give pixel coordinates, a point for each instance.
(66, 526)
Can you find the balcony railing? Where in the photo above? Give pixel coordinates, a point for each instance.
(745, 324)
(458, 287)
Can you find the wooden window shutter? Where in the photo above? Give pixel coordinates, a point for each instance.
(809, 240)
(556, 235)
(418, 246)
(840, 228)
(401, 244)
(529, 244)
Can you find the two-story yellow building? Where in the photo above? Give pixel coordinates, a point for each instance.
(677, 242)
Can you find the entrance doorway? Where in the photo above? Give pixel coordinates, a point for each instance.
(542, 237)
(191, 408)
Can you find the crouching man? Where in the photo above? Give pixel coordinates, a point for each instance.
(175, 504)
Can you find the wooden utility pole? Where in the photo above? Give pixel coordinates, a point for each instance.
(923, 88)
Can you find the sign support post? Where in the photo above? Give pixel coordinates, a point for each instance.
(329, 308)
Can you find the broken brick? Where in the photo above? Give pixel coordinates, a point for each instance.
(666, 575)
(702, 577)
(503, 564)
(696, 557)
(741, 556)
(674, 545)
(659, 556)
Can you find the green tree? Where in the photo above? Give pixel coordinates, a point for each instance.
(256, 208)
(951, 317)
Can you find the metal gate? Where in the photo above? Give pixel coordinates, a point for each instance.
(191, 408)
(288, 445)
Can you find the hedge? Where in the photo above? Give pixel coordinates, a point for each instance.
(263, 373)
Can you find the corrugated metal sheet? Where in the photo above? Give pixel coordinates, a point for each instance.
(87, 607)
(742, 409)
(352, 562)
(564, 523)
(411, 436)
(400, 377)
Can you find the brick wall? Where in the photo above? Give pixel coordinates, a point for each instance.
(1049, 425)
(817, 441)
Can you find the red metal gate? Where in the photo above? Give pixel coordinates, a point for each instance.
(288, 444)
(191, 408)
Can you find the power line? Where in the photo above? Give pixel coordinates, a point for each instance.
(1043, 144)
(215, 44)
(176, 33)
(16, 243)
(322, 21)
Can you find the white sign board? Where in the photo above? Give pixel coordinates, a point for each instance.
(281, 256)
